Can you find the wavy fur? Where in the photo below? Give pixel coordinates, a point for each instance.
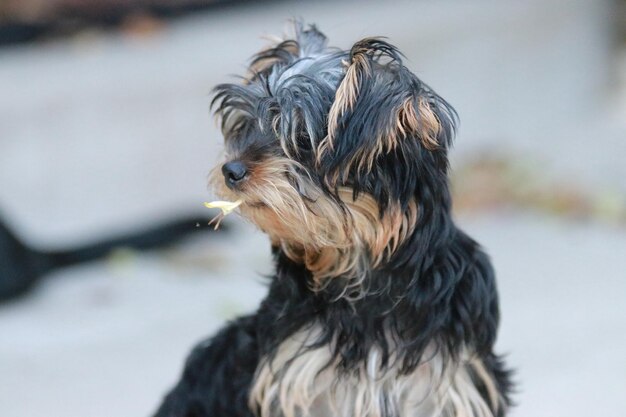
(379, 305)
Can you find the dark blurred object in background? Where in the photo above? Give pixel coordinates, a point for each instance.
(21, 266)
(30, 20)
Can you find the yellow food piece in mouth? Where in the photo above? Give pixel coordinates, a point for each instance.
(225, 206)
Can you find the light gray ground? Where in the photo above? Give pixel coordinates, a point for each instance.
(101, 133)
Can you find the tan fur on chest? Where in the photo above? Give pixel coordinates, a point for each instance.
(304, 382)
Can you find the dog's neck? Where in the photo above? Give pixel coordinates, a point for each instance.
(366, 268)
(405, 297)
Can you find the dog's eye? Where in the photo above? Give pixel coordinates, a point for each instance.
(298, 147)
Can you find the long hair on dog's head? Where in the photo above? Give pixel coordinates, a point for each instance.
(344, 153)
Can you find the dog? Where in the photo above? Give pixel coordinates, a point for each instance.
(379, 305)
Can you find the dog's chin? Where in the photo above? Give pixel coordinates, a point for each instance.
(257, 205)
(329, 238)
(258, 213)
(268, 221)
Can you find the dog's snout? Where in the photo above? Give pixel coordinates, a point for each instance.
(235, 173)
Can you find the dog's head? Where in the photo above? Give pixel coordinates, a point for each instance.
(337, 155)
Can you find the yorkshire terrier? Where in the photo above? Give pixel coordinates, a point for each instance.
(379, 305)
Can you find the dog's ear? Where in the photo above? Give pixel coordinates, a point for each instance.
(380, 107)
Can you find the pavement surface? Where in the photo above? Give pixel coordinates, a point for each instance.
(105, 132)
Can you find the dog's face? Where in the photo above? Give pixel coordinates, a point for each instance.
(337, 155)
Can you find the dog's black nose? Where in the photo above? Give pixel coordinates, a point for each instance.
(234, 173)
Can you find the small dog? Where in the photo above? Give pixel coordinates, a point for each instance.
(379, 305)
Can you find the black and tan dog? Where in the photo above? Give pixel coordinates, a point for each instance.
(379, 305)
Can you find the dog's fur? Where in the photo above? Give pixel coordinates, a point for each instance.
(379, 306)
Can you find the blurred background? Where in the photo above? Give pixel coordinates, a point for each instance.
(105, 128)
